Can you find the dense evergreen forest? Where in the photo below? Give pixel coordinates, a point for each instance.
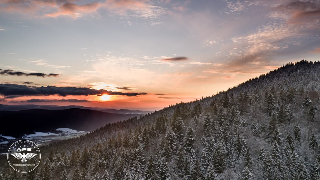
(265, 128)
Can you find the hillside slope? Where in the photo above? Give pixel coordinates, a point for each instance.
(265, 128)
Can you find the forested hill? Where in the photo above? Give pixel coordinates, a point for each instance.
(265, 128)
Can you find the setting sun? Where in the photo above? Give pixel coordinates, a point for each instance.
(105, 97)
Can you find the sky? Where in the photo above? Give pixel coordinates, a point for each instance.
(146, 54)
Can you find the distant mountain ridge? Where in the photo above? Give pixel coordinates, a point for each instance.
(18, 123)
(4, 107)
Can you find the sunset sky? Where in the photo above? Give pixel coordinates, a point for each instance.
(146, 54)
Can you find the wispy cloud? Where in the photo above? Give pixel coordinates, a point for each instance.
(199, 63)
(182, 7)
(301, 11)
(316, 50)
(55, 100)
(274, 38)
(180, 58)
(136, 8)
(167, 97)
(10, 72)
(160, 94)
(74, 9)
(235, 6)
(124, 88)
(42, 62)
(23, 90)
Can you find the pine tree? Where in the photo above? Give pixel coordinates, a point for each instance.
(219, 158)
(277, 166)
(64, 175)
(151, 168)
(225, 100)
(297, 133)
(84, 173)
(303, 172)
(177, 127)
(288, 113)
(276, 136)
(211, 174)
(189, 141)
(162, 169)
(271, 102)
(273, 124)
(179, 163)
(196, 110)
(207, 126)
(196, 172)
(74, 158)
(282, 115)
(290, 142)
(84, 160)
(46, 173)
(313, 144)
(246, 174)
(265, 164)
(312, 113)
(248, 159)
(307, 102)
(315, 172)
(76, 174)
(119, 171)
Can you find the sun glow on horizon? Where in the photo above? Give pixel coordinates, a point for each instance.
(105, 97)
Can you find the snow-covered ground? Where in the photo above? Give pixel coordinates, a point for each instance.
(70, 131)
(46, 137)
(4, 142)
(39, 135)
(7, 137)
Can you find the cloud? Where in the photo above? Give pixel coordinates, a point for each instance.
(235, 6)
(294, 22)
(227, 77)
(31, 7)
(165, 97)
(182, 7)
(124, 88)
(10, 72)
(55, 100)
(27, 82)
(165, 1)
(180, 58)
(42, 62)
(301, 11)
(160, 94)
(198, 63)
(23, 90)
(72, 8)
(316, 50)
(135, 8)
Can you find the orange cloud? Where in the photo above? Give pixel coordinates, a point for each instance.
(73, 10)
(301, 11)
(56, 8)
(126, 4)
(317, 50)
